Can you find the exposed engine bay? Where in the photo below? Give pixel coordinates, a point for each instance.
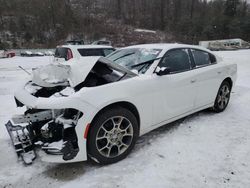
(53, 130)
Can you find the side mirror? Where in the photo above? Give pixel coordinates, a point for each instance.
(162, 71)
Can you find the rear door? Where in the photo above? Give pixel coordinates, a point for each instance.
(208, 78)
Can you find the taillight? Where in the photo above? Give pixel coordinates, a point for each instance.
(69, 54)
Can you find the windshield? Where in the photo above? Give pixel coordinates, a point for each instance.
(132, 57)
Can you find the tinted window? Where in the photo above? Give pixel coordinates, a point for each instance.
(61, 53)
(212, 58)
(91, 52)
(177, 60)
(201, 58)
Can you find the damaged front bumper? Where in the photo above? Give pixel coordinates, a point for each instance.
(22, 141)
(51, 128)
(54, 136)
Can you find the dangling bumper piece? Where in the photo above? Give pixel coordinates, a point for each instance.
(21, 138)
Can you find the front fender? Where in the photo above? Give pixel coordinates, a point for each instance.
(72, 101)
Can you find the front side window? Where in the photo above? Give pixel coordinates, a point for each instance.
(176, 60)
(202, 58)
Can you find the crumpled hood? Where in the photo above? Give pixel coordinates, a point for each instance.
(80, 69)
(71, 73)
(67, 73)
(51, 75)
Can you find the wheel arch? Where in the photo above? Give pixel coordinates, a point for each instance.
(229, 80)
(125, 104)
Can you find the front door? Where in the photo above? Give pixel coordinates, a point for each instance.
(174, 93)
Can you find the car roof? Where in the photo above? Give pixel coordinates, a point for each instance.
(85, 46)
(166, 46)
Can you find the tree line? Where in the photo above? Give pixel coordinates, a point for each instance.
(46, 23)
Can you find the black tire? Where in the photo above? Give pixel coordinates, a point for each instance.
(222, 98)
(104, 133)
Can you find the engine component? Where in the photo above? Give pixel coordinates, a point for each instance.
(51, 132)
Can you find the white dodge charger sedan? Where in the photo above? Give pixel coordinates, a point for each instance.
(96, 108)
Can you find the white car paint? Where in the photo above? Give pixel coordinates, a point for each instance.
(176, 95)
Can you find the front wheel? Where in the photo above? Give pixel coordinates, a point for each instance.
(223, 97)
(112, 135)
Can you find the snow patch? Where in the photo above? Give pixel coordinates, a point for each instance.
(145, 31)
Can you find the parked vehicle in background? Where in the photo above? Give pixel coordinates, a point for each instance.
(226, 44)
(75, 42)
(7, 53)
(49, 53)
(96, 107)
(38, 54)
(26, 54)
(67, 52)
(1, 53)
(102, 42)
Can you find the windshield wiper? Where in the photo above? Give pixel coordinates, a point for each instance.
(146, 62)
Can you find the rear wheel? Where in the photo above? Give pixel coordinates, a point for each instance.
(223, 97)
(112, 135)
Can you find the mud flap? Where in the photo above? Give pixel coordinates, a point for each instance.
(21, 140)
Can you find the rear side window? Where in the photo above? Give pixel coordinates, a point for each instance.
(212, 58)
(203, 58)
(91, 52)
(177, 60)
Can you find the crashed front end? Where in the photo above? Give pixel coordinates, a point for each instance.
(56, 115)
(53, 110)
(46, 123)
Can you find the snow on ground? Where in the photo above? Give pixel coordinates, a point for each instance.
(202, 150)
(145, 31)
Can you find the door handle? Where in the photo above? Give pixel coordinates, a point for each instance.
(193, 81)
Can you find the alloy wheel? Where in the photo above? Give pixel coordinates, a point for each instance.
(223, 96)
(114, 136)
